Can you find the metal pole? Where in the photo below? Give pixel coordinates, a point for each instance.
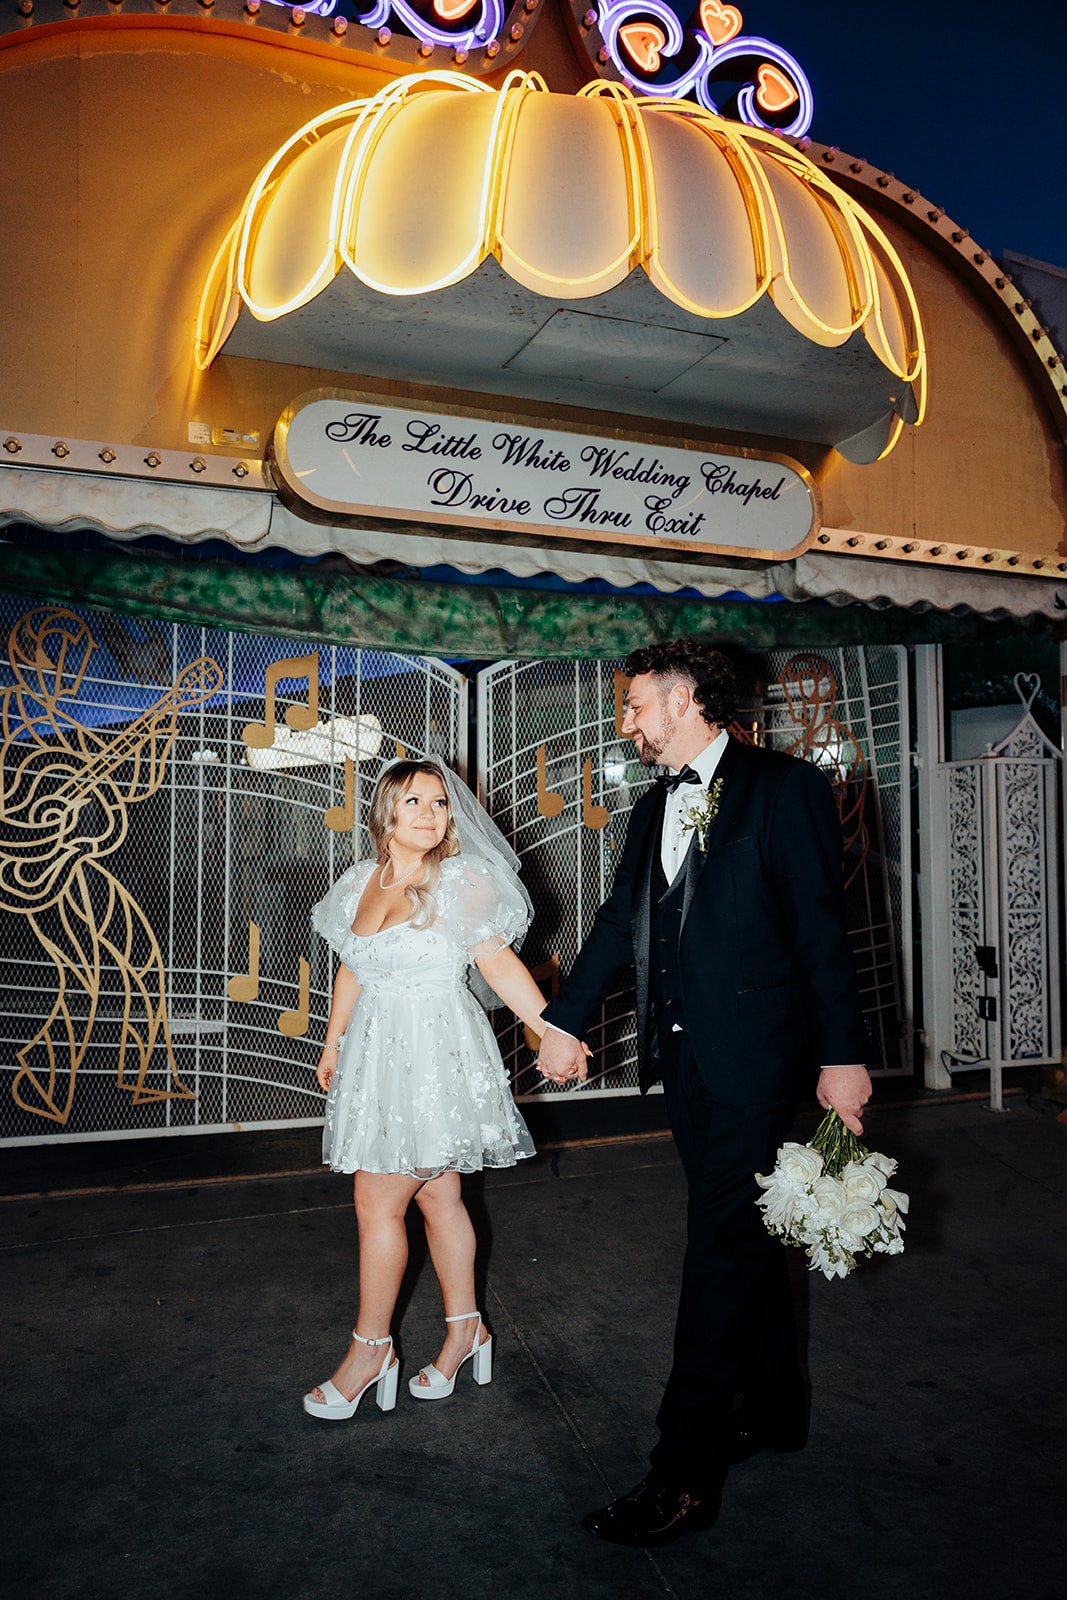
(933, 848)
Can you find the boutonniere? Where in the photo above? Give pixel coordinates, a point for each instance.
(698, 817)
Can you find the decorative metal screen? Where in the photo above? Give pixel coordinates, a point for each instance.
(561, 781)
(174, 800)
(846, 709)
(999, 1002)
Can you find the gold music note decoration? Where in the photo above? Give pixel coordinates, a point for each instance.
(592, 816)
(547, 970)
(549, 803)
(294, 1024)
(401, 753)
(244, 986)
(622, 683)
(260, 735)
(342, 819)
(65, 795)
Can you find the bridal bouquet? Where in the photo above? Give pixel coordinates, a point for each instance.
(831, 1197)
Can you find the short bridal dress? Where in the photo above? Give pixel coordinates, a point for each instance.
(420, 1087)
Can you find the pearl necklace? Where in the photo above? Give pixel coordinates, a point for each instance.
(396, 881)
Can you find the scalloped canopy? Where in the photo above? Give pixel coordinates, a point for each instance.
(667, 224)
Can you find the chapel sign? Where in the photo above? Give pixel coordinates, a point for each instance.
(347, 456)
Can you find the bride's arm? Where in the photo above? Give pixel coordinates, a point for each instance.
(346, 992)
(507, 977)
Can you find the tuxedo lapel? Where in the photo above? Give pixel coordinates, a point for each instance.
(641, 904)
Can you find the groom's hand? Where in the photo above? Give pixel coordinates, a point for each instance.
(561, 1059)
(845, 1090)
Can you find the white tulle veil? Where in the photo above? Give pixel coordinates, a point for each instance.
(479, 838)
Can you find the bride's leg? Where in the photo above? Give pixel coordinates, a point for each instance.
(381, 1201)
(450, 1237)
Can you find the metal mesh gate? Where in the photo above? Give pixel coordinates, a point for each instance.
(161, 844)
(561, 782)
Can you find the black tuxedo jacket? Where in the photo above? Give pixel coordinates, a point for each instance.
(767, 977)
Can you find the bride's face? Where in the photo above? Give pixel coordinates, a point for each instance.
(421, 815)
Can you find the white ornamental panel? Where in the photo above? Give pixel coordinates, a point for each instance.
(999, 1002)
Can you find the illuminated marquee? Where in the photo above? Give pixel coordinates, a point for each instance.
(460, 25)
(741, 76)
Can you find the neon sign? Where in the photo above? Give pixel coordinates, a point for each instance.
(428, 21)
(439, 21)
(741, 76)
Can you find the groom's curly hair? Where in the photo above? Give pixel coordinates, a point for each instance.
(706, 670)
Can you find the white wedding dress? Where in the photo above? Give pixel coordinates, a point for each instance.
(420, 1087)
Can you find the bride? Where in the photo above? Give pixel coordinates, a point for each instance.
(417, 1091)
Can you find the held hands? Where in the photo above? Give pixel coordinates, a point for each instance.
(562, 1059)
(845, 1090)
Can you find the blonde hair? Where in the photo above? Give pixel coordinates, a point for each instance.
(381, 823)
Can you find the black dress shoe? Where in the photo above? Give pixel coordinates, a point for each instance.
(655, 1513)
(783, 1433)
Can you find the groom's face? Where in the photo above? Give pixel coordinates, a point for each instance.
(648, 720)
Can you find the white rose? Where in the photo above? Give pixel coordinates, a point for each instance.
(798, 1164)
(829, 1201)
(858, 1220)
(862, 1182)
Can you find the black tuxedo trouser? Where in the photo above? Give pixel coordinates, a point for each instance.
(736, 1332)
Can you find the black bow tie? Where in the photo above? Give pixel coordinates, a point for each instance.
(671, 781)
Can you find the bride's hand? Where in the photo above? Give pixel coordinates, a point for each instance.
(326, 1068)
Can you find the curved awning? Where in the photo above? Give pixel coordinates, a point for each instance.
(660, 217)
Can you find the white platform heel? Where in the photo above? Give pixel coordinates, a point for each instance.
(336, 1408)
(437, 1386)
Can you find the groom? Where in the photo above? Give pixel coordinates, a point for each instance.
(745, 989)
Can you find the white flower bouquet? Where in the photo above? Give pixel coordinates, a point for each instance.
(832, 1198)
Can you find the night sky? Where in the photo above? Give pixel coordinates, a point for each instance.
(965, 102)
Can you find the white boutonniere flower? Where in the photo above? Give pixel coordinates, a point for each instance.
(698, 817)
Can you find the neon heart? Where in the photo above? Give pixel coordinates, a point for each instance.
(719, 22)
(452, 10)
(775, 90)
(643, 41)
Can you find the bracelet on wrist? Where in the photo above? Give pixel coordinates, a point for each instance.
(331, 1047)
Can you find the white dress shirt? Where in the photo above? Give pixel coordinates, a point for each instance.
(675, 840)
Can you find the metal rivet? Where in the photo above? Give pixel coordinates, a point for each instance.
(12, 446)
(240, 470)
(198, 465)
(60, 449)
(107, 456)
(824, 538)
(153, 460)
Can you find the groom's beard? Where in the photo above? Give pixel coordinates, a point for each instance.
(650, 750)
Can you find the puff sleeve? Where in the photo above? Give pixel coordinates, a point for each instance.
(332, 916)
(485, 909)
